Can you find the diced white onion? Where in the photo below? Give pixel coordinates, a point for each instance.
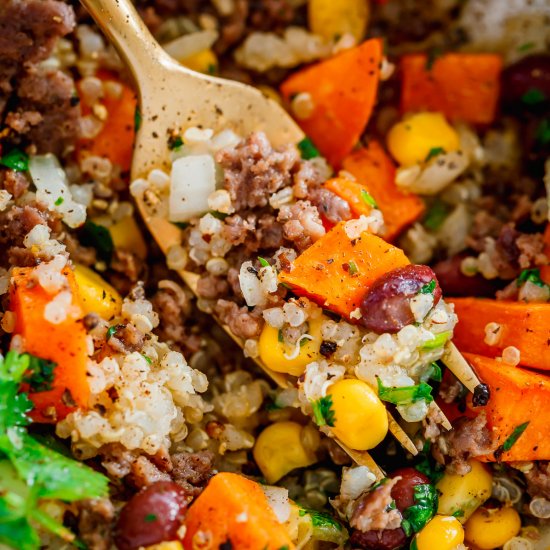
(277, 498)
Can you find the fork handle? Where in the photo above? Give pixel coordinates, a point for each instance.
(121, 23)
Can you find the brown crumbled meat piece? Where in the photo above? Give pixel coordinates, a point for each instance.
(126, 268)
(211, 287)
(233, 26)
(126, 338)
(15, 183)
(531, 250)
(301, 224)
(333, 208)
(193, 470)
(269, 232)
(450, 389)
(253, 170)
(84, 255)
(538, 479)
(143, 472)
(509, 292)
(117, 460)
(469, 438)
(243, 323)
(431, 424)
(36, 102)
(95, 522)
(173, 309)
(371, 512)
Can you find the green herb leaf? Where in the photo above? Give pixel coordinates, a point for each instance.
(533, 96)
(137, 118)
(98, 237)
(353, 270)
(434, 152)
(40, 374)
(424, 508)
(16, 160)
(514, 436)
(14, 406)
(325, 527)
(175, 142)
(436, 215)
(526, 46)
(59, 201)
(111, 332)
(149, 518)
(218, 215)
(263, 262)
(148, 359)
(433, 372)
(323, 413)
(543, 132)
(280, 336)
(405, 395)
(428, 288)
(368, 199)
(307, 149)
(531, 275)
(439, 340)
(458, 513)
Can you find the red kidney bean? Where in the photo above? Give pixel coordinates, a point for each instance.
(388, 539)
(151, 516)
(386, 305)
(454, 283)
(403, 491)
(529, 73)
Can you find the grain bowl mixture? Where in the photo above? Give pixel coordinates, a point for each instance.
(364, 272)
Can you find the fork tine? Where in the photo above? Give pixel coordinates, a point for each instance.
(440, 416)
(399, 433)
(363, 458)
(455, 362)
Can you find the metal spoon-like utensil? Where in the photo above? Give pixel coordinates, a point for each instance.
(172, 97)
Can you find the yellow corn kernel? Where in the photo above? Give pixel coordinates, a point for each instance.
(331, 19)
(462, 495)
(491, 528)
(441, 533)
(284, 446)
(415, 137)
(96, 294)
(360, 418)
(171, 545)
(275, 353)
(127, 235)
(203, 62)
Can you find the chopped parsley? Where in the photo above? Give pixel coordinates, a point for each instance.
(323, 413)
(40, 374)
(30, 472)
(439, 340)
(458, 513)
(428, 466)
(436, 215)
(543, 132)
(98, 237)
(137, 118)
(263, 262)
(175, 142)
(533, 96)
(307, 149)
(149, 518)
(514, 436)
(212, 69)
(405, 395)
(16, 160)
(111, 332)
(59, 201)
(147, 358)
(530, 275)
(218, 215)
(325, 527)
(434, 152)
(526, 46)
(428, 288)
(416, 516)
(368, 199)
(433, 372)
(352, 269)
(280, 336)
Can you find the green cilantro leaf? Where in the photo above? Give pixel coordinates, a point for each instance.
(458, 513)
(514, 436)
(149, 518)
(98, 237)
(436, 215)
(531, 275)
(175, 142)
(533, 96)
(526, 46)
(543, 132)
(368, 199)
(428, 288)
(405, 395)
(59, 201)
(147, 358)
(323, 413)
(434, 152)
(424, 508)
(353, 269)
(307, 149)
(439, 340)
(263, 262)
(433, 372)
(40, 374)
(16, 160)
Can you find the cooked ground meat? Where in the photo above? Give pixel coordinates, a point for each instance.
(371, 510)
(302, 224)
(242, 323)
(469, 438)
(126, 339)
(95, 522)
(330, 205)
(193, 470)
(143, 472)
(538, 479)
(15, 183)
(211, 287)
(253, 170)
(35, 102)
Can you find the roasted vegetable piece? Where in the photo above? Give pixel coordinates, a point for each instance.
(96, 294)
(332, 20)
(490, 528)
(336, 271)
(375, 172)
(343, 90)
(518, 397)
(115, 140)
(462, 86)
(525, 326)
(233, 509)
(63, 343)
